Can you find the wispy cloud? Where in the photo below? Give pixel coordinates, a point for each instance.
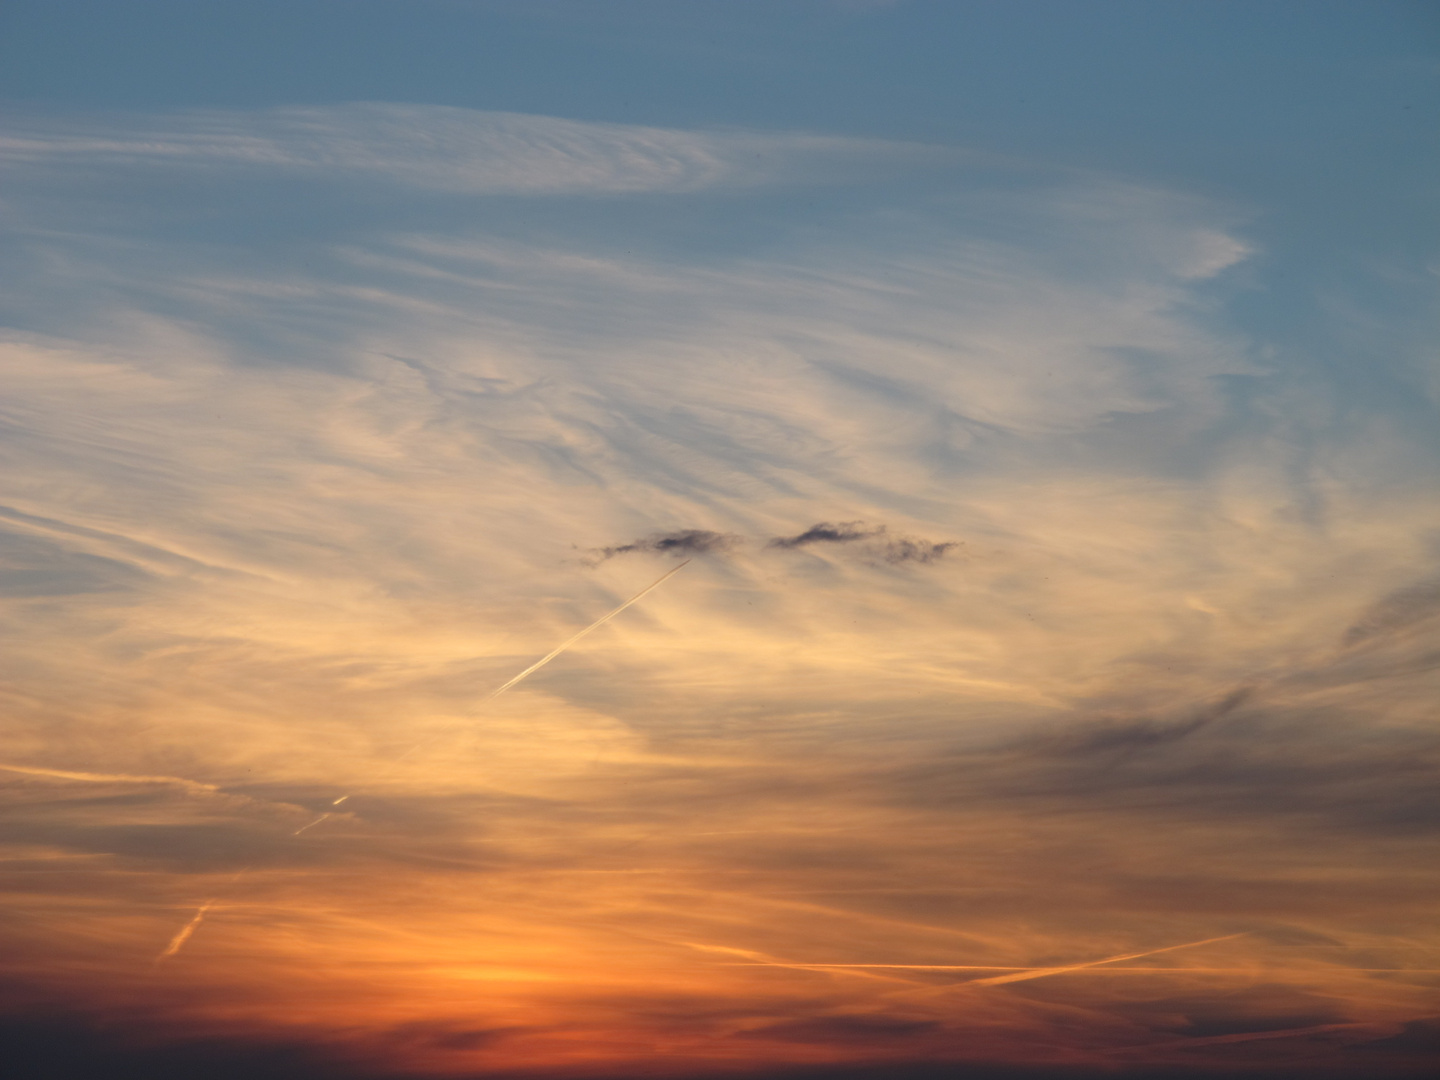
(285, 502)
(442, 148)
(108, 778)
(178, 941)
(1400, 610)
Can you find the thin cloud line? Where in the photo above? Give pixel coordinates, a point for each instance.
(110, 778)
(764, 960)
(189, 928)
(1151, 970)
(1045, 972)
(898, 967)
(527, 672)
(185, 931)
(1040, 973)
(593, 626)
(842, 913)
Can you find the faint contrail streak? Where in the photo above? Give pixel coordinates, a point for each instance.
(528, 671)
(189, 928)
(593, 626)
(909, 967)
(1040, 973)
(110, 778)
(185, 931)
(322, 817)
(763, 960)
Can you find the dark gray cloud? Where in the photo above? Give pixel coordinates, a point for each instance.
(1133, 735)
(1261, 1008)
(1402, 608)
(439, 1036)
(32, 566)
(68, 1045)
(843, 1029)
(680, 542)
(911, 1070)
(824, 532)
(196, 847)
(905, 550)
(1252, 754)
(879, 544)
(1417, 1037)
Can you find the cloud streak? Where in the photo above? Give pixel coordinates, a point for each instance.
(177, 942)
(568, 642)
(111, 778)
(1041, 973)
(1032, 611)
(445, 149)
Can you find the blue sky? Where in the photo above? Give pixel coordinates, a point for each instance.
(1314, 116)
(1042, 394)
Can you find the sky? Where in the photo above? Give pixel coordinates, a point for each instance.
(803, 540)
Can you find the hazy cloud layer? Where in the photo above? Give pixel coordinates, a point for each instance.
(1128, 764)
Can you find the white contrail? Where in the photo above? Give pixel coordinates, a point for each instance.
(593, 626)
(110, 778)
(189, 928)
(323, 816)
(1040, 973)
(759, 959)
(312, 824)
(1023, 974)
(185, 931)
(528, 671)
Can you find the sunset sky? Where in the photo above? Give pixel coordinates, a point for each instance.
(1025, 413)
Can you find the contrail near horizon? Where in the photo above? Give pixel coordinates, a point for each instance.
(189, 928)
(551, 655)
(185, 931)
(1024, 974)
(1040, 973)
(109, 778)
(1016, 973)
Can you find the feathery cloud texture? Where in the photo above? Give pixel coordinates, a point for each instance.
(295, 478)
